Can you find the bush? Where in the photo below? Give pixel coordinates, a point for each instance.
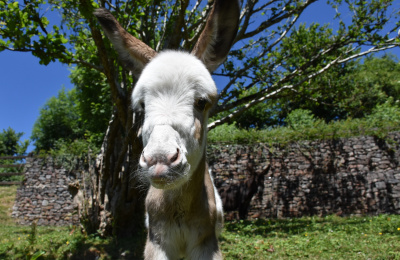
(384, 114)
(300, 119)
(303, 126)
(68, 154)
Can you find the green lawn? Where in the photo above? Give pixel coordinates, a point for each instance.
(7, 195)
(329, 237)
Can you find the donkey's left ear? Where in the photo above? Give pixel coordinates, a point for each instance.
(133, 52)
(219, 33)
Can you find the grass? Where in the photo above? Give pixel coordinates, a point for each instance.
(7, 196)
(330, 237)
(24, 242)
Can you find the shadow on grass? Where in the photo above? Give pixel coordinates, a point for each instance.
(94, 247)
(66, 243)
(69, 243)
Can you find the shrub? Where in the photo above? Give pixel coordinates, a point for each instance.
(300, 119)
(384, 114)
(303, 126)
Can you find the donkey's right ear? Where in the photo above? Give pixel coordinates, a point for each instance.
(133, 52)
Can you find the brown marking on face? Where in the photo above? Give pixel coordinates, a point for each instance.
(213, 98)
(198, 130)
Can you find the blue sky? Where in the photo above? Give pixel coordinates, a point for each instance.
(26, 85)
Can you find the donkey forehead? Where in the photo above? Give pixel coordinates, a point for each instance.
(174, 73)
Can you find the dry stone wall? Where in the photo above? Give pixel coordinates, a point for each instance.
(46, 195)
(347, 176)
(358, 175)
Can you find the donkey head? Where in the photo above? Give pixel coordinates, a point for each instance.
(175, 91)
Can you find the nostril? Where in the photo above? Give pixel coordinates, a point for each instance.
(174, 157)
(146, 161)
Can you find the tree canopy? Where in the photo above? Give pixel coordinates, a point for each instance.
(352, 90)
(59, 118)
(10, 143)
(272, 51)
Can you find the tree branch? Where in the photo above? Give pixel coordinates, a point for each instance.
(197, 28)
(176, 33)
(242, 34)
(371, 50)
(239, 73)
(256, 99)
(244, 108)
(164, 28)
(62, 57)
(118, 95)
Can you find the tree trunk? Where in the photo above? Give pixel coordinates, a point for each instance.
(116, 205)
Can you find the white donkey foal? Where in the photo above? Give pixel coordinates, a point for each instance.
(175, 92)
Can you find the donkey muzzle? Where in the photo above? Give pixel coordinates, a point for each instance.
(163, 158)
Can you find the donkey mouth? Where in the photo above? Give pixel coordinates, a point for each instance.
(164, 177)
(160, 181)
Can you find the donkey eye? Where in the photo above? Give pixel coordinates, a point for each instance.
(142, 105)
(201, 104)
